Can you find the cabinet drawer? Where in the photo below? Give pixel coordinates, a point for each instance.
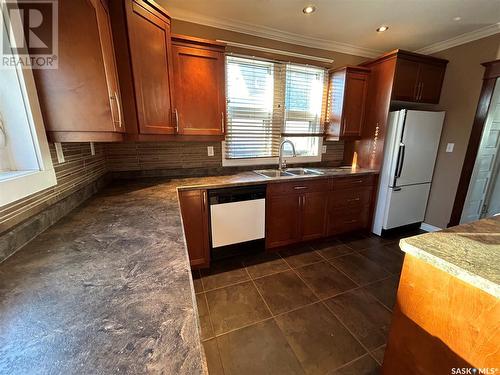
(298, 187)
(353, 182)
(347, 220)
(351, 197)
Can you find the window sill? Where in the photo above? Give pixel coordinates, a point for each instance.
(9, 175)
(16, 185)
(269, 161)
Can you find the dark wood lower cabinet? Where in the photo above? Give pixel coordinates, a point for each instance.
(313, 215)
(296, 211)
(309, 210)
(194, 210)
(282, 220)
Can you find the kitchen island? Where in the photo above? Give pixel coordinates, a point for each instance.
(108, 289)
(447, 311)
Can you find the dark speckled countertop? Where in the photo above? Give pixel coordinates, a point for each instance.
(108, 289)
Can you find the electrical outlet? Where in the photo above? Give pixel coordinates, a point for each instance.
(92, 149)
(210, 150)
(323, 149)
(59, 153)
(449, 147)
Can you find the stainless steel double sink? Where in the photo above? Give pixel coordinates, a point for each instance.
(289, 172)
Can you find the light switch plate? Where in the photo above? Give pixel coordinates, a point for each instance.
(323, 149)
(92, 149)
(210, 150)
(450, 147)
(59, 153)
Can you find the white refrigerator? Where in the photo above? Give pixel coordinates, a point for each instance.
(410, 152)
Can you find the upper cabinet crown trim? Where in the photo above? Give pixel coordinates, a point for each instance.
(399, 53)
(178, 38)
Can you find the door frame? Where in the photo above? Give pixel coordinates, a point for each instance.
(492, 72)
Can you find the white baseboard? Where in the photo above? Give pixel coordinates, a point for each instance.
(429, 228)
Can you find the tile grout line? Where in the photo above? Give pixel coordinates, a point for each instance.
(349, 363)
(320, 300)
(336, 317)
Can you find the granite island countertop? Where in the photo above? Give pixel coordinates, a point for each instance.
(470, 252)
(108, 289)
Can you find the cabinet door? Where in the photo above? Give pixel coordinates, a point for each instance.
(150, 51)
(406, 80)
(199, 91)
(313, 218)
(75, 98)
(336, 105)
(282, 220)
(430, 79)
(194, 211)
(354, 104)
(110, 68)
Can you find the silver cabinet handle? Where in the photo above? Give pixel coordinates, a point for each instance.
(204, 200)
(300, 187)
(176, 121)
(353, 199)
(119, 107)
(421, 91)
(222, 122)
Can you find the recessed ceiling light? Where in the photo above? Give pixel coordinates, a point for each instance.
(457, 18)
(382, 28)
(309, 9)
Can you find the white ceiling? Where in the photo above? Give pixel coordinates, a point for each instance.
(349, 25)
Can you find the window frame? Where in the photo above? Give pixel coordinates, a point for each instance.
(286, 155)
(18, 184)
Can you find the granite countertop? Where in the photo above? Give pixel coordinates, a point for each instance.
(252, 178)
(470, 252)
(108, 288)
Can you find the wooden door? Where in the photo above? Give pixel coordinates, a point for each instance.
(106, 39)
(430, 78)
(194, 210)
(405, 80)
(150, 52)
(199, 90)
(74, 98)
(313, 215)
(354, 104)
(282, 220)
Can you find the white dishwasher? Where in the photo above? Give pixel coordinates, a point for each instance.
(237, 216)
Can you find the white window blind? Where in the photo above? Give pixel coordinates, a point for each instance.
(267, 100)
(253, 127)
(304, 103)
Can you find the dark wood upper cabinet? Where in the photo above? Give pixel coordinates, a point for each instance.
(194, 210)
(142, 38)
(151, 58)
(418, 78)
(406, 80)
(81, 99)
(199, 86)
(347, 98)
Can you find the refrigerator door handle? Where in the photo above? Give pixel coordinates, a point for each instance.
(400, 161)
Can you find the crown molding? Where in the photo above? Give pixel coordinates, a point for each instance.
(274, 34)
(461, 39)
